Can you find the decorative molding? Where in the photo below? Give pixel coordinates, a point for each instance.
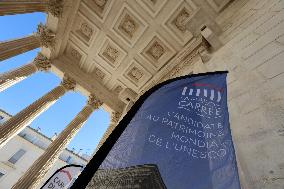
(175, 24)
(157, 51)
(153, 7)
(152, 49)
(181, 56)
(46, 36)
(101, 3)
(88, 82)
(111, 53)
(94, 101)
(218, 5)
(84, 29)
(137, 74)
(187, 61)
(42, 62)
(68, 83)
(128, 25)
(118, 89)
(55, 7)
(75, 53)
(99, 73)
(115, 116)
(181, 19)
(100, 8)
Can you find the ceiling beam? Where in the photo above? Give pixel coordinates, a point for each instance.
(89, 82)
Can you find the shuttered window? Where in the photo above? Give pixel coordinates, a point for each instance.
(1, 175)
(69, 159)
(17, 156)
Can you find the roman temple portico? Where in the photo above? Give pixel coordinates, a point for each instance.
(112, 51)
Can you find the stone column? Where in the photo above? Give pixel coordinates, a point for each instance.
(10, 7)
(115, 117)
(10, 78)
(33, 177)
(18, 122)
(15, 47)
(43, 37)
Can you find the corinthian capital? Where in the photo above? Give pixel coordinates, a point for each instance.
(46, 36)
(42, 62)
(94, 101)
(55, 7)
(115, 116)
(68, 83)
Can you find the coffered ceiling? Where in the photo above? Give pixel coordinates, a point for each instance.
(125, 43)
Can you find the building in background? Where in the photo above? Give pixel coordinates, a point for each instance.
(23, 150)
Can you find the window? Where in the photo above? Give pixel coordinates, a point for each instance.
(1, 119)
(17, 156)
(69, 159)
(1, 175)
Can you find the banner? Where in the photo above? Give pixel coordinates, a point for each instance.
(177, 136)
(62, 177)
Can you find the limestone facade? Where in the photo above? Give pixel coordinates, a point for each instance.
(253, 54)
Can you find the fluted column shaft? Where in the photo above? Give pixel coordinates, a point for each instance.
(12, 77)
(43, 37)
(10, 7)
(18, 122)
(14, 47)
(33, 177)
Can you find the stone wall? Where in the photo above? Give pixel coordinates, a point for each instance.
(253, 34)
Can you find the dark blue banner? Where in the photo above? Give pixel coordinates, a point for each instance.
(179, 138)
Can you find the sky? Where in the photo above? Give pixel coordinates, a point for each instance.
(19, 96)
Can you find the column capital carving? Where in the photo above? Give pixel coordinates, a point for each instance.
(55, 7)
(115, 116)
(94, 102)
(68, 83)
(46, 36)
(42, 62)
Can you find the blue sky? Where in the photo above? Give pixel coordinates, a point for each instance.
(19, 96)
